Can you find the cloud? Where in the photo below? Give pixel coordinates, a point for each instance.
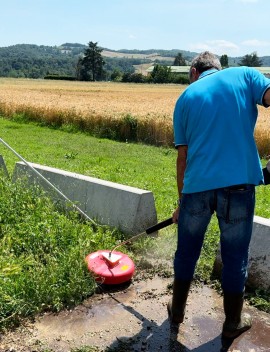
(256, 43)
(218, 47)
(262, 47)
(131, 36)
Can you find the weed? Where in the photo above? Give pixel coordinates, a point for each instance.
(128, 128)
(259, 298)
(71, 155)
(86, 349)
(20, 117)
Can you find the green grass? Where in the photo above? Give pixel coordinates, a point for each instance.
(42, 253)
(135, 165)
(138, 165)
(42, 250)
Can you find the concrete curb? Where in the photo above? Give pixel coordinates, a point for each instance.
(259, 255)
(129, 209)
(259, 258)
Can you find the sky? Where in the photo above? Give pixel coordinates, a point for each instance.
(231, 27)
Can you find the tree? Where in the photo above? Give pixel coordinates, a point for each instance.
(161, 74)
(179, 60)
(251, 60)
(127, 77)
(224, 61)
(81, 72)
(90, 67)
(116, 75)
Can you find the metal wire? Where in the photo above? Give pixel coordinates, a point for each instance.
(49, 183)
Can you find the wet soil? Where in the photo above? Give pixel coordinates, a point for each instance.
(134, 318)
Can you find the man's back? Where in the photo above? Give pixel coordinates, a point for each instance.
(215, 117)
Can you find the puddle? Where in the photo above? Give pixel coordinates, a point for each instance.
(137, 317)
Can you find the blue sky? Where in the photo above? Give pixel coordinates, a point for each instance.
(232, 27)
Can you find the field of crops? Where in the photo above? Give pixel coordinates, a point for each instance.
(95, 98)
(139, 112)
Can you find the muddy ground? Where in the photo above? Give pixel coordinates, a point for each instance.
(134, 318)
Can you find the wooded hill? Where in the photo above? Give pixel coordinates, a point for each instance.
(34, 61)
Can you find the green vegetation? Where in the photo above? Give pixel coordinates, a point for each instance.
(33, 61)
(251, 60)
(122, 347)
(224, 60)
(42, 248)
(42, 254)
(135, 165)
(90, 65)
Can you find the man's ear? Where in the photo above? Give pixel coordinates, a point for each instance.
(193, 71)
(194, 74)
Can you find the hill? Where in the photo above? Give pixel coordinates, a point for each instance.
(34, 61)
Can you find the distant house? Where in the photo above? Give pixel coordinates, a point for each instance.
(174, 69)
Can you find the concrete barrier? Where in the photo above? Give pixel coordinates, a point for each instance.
(3, 168)
(130, 209)
(259, 256)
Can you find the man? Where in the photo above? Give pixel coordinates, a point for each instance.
(218, 168)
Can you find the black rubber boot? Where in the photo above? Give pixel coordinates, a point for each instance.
(176, 307)
(235, 323)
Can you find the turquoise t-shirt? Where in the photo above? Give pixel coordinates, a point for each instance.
(215, 117)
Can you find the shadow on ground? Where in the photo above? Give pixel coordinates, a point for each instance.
(164, 337)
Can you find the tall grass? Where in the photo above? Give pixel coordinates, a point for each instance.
(124, 127)
(42, 253)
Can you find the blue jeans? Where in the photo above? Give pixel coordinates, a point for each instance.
(234, 207)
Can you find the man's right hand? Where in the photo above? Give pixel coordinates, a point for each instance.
(176, 215)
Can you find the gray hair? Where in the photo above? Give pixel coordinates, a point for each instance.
(205, 61)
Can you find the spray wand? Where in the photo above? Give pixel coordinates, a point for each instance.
(148, 231)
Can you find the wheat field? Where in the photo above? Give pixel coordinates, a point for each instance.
(90, 98)
(114, 108)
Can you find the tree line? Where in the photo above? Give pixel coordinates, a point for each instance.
(90, 68)
(33, 61)
(250, 60)
(85, 62)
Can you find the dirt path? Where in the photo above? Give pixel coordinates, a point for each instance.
(135, 319)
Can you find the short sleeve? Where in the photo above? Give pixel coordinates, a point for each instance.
(178, 124)
(260, 84)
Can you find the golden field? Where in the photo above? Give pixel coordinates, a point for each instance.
(91, 98)
(141, 112)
